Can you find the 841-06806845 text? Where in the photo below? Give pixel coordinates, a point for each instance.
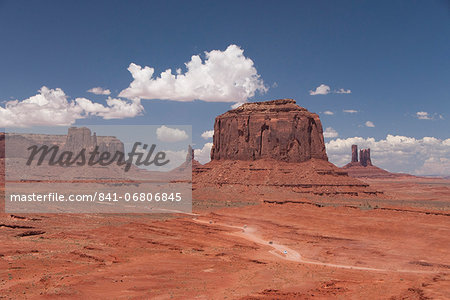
(98, 197)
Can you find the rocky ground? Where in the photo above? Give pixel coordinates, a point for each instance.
(239, 250)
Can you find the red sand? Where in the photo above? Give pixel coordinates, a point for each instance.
(237, 252)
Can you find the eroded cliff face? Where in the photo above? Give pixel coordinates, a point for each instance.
(278, 129)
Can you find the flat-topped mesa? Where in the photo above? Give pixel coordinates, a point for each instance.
(79, 138)
(82, 138)
(277, 129)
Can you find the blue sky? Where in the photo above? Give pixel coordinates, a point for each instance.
(392, 55)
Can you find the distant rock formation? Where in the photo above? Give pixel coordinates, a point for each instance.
(190, 158)
(75, 140)
(364, 167)
(364, 157)
(189, 164)
(82, 138)
(277, 129)
(79, 138)
(190, 154)
(354, 153)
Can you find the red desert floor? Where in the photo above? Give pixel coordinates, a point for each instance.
(260, 251)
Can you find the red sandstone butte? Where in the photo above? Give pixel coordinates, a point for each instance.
(364, 157)
(354, 153)
(271, 150)
(277, 129)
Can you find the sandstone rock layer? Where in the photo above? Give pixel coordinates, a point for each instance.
(278, 129)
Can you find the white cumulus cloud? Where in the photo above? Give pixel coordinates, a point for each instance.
(369, 124)
(171, 135)
(51, 107)
(99, 91)
(223, 76)
(350, 111)
(115, 109)
(208, 134)
(330, 133)
(425, 156)
(203, 155)
(322, 89)
(328, 112)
